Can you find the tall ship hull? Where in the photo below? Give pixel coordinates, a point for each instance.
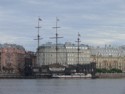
(73, 76)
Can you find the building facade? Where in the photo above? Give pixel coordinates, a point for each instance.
(12, 58)
(66, 54)
(75, 57)
(109, 57)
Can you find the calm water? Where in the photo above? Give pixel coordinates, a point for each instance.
(62, 86)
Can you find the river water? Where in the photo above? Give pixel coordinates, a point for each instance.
(62, 86)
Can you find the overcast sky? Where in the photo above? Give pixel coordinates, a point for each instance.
(99, 22)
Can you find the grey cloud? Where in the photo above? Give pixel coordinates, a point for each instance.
(96, 20)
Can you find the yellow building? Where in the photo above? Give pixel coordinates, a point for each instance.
(109, 57)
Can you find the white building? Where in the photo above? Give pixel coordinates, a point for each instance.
(67, 54)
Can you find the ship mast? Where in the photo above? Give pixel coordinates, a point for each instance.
(78, 46)
(57, 37)
(38, 39)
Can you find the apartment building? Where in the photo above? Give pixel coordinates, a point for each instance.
(12, 58)
(109, 57)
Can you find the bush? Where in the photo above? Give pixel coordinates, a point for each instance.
(108, 71)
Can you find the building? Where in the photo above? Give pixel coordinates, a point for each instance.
(67, 54)
(12, 58)
(109, 57)
(72, 55)
(30, 58)
(30, 63)
(66, 59)
(47, 54)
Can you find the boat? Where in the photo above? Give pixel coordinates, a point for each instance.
(76, 75)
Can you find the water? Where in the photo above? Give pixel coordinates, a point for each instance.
(62, 86)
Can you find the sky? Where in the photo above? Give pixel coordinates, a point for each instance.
(99, 22)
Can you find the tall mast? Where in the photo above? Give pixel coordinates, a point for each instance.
(38, 39)
(78, 44)
(56, 27)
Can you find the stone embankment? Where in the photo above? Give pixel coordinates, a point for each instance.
(110, 75)
(17, 76)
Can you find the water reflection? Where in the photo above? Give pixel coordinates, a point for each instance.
(62, 86)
